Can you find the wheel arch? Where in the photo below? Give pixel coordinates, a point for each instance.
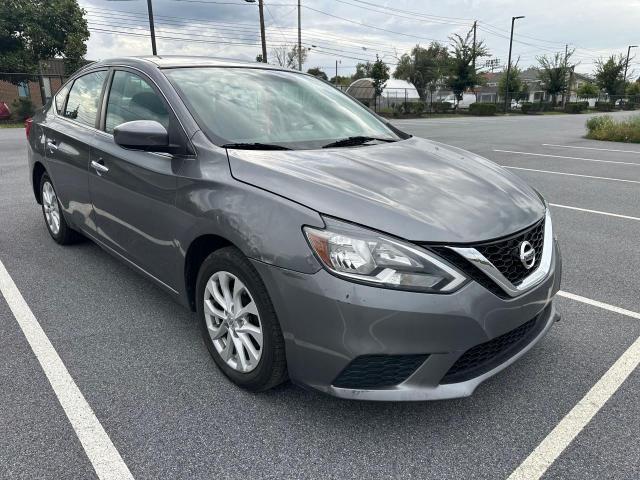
(199, 249)
(36, 175)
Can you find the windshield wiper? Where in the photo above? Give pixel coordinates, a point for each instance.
(357, 140)
(255, 146)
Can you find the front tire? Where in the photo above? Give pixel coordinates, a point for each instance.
(238, 322)
(52, 212)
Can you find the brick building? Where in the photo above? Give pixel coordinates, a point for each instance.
(39, 88)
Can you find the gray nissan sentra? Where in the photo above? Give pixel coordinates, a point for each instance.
(314, 240)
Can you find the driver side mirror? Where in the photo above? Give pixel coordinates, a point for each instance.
(146, 135)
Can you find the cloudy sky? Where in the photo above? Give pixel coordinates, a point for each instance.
(356, 30)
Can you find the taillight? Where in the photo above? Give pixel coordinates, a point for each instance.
(27, 126)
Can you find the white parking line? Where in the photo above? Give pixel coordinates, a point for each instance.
(539, 461)
(596, 303)
(104, 457)
(572, 174)
(572, 158)
(592, 148)
(617, 215)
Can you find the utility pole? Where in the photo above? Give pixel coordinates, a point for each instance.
(262, 34)
(564, 92)
(474, 46)
(152, 28)
(337, 61)
(299, 40)
(626, 65)
(506, 87)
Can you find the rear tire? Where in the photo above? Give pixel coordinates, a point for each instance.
(238, 323)
(52, 212)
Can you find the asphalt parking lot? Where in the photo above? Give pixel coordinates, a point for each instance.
(138, 359)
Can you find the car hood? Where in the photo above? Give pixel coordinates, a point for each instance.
(416, 189)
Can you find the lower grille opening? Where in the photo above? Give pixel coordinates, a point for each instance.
(378, 371)
(486, 356)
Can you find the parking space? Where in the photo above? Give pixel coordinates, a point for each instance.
(139, 361)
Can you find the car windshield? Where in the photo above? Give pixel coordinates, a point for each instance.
(258, 108)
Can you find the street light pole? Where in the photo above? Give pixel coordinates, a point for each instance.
(152, 29)
(626, 65)
(506, 87)
(299, 40)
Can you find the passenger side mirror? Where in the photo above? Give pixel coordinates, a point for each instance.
(142, 135)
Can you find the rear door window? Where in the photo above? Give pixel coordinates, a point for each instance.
(133, 98)
(84, 98)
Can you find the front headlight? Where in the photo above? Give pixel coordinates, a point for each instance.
(369, 257)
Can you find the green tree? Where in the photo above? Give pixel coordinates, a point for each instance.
(633, 88)
(609, 74)
(553, 72)
(317, 72)
(515, 82)
(588, 90)
(363, 70)
(423, 66)
(36, 30)
(379, 76)
(462, 75)
(342, 80)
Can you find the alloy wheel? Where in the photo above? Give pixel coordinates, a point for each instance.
(51, 208)
(233, 321)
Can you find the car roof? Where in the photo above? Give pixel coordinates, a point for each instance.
(171, 61)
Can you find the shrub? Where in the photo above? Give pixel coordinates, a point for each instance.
(417, 107)
(529, 107)
(606, 128)
(604, 106)
(628, 106)
(526, 107)
(576, 107)
(441, 107)
(482, 109)
(22, 109)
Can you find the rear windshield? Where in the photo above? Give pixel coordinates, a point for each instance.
(251, 105)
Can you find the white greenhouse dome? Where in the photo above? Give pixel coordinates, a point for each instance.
(395, 90)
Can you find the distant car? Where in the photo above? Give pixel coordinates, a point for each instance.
(314, 240)
(467, 99)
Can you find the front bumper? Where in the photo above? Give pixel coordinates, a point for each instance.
(328, 322)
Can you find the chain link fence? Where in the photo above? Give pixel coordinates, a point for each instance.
(404, 101)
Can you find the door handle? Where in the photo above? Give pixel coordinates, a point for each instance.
(51, 145)
(99, 166)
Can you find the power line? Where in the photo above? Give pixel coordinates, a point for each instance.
(235, 27)
(390, 12)
(370, 26)
(466, 21)
(227, 37)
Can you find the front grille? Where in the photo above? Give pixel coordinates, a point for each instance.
(486, 356)
(378, 371)
(470, 270)
(504, 254)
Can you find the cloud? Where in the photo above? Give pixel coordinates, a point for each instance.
(365, 28)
